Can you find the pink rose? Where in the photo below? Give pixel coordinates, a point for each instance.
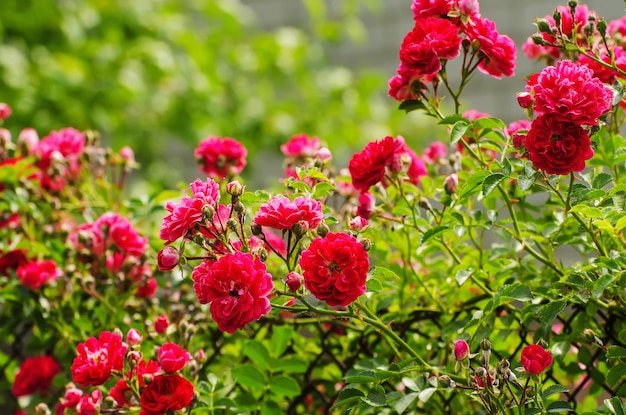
(168, 258)
(161, 324)
(461, 350)
(172, 357)
(35, 275)
(498, 51)
(221, 157)
(281, 213)
(302, 146)
(535, 359)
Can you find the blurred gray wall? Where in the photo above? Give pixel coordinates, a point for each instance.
(387, 26)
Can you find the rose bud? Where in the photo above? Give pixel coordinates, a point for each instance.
(461, 350)
(168, 258)
(524, 99)
(357, 223)
(133, 338)
(5, 111)
(294, 281)
(451, 183)
(161, 324)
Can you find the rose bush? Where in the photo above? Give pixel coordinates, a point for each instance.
(485, 274)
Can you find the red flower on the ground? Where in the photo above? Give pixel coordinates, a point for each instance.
(431, 39)
(97, 358)
(557, 147)
(172, 357)
(166, 393)
(535, 359)
(220, 157)
(35, 375)
(36, 274)
(499, 51)
(237, 286)
(281, 213)
(335, 269)
(571, 92)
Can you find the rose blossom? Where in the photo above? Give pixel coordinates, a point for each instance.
(181, 219)
(335, 269)
(90, 404)
(557, 147)
(427, 8)
(36, 274)
(535, 359)
(5, 111)
(97, 358)
(603, 73)
(301, 145)
(122, 393)
(172, 357)
(12, 260)
(161, 324)
(220, 157)
(461, 350)
(367, 203)
(237, 286)
(435, 151)
(166, 393)
(72, 396)
(167, 258)
(67, 144)
(147, 289)
(35, 375)
(281, 213)
(368, 167)
(571, 92)
(133, 337)
(431, 39)
(499, 51)
(293, 281)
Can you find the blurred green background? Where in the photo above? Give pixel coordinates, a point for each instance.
(160, 75)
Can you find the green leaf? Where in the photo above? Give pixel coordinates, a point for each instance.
(283, 385)
(587, 211)
(246, 402)
(290, 364)
(616, 373)
(548, 312)
(614, 404)
(452, 119)
(376, 397)
(271, 408)
(493, 123)
(601, 180)
(472, 183)
(462, 275)
(258, 353)
(360, 376)
(373, 285)
(601, 284)
(250, 377)
(412, 105)
(491, 182)
(553, 390)
(458, 131)
(281, 336)
(348, 397)
(559, 406)
(384, 274)
(616, 352)
(425, 394)
(434, 232)
(404, 402)
(525, 182)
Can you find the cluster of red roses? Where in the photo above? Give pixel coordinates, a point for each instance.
(442, 28)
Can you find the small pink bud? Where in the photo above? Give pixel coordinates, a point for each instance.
(324, 154)
(161, 324)
(27, 140)
(234, 188)
(461, 350)
(5, 137)
(127, 154)
(367, 202)
(134, 357)
(357, 223)
(294, 281)
(168, 258)
(133, 337)
(524, 99)
(451, 183)
(200, 355)
(5, 111)
(72, 396)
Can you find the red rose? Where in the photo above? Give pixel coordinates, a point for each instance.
(335, 269)
(35, 275)
(535, 359)
(281, 213)
(12, 260)
(461, 350)
(498, 51)
(368, 167)
(166, 393)
(557, 147)
(161, 324)
(431, 39)
(237, 286)
(35, 375)
(97, 358)
(121, 392)
(172, 357)
(220, 157)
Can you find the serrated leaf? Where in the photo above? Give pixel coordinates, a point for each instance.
(281, 336)
(616, 352)
(517, 291)
(493, 123)
(249, 376)
(373, 285)
(616, 373)
(559, 407)
(458, 131)
(452, 119)
(587, 211)
(548, 312)
(258, 353)
(614, 405)
(525, 182)
(491, 182)
(553, 390)
(376, 397)
(601, 180)
(364, 376)
(384, 274)
(283, 385)
(462, 276)
(432, 232)
(472, 183)
(601, 284)
(404, 402)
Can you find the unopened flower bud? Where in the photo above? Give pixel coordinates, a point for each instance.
(557, 17)
(322, 230)
(504, 365)
(485, 344)
(232, 224)
(161, 324)
(294, 281)
(256, 229)
(367, 244)
(42, 409)
(451, 183)
(234, 188)
(208, 212)
(324, 154)
(200, 355)
(446, 382)
(601, 26)
(168, 258)
(118, 332)
(518, 140)
(524, 99)
(543, 25)
(424, 203)
(538, 39)
(481, 372)
(127, 154)
(300, 228)
(147, 378)
(133, 337)
(134, 357)
(461, 350)
(27, 140)
(239, 207)
(357, 223)
(572, 3)
(5, 111)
